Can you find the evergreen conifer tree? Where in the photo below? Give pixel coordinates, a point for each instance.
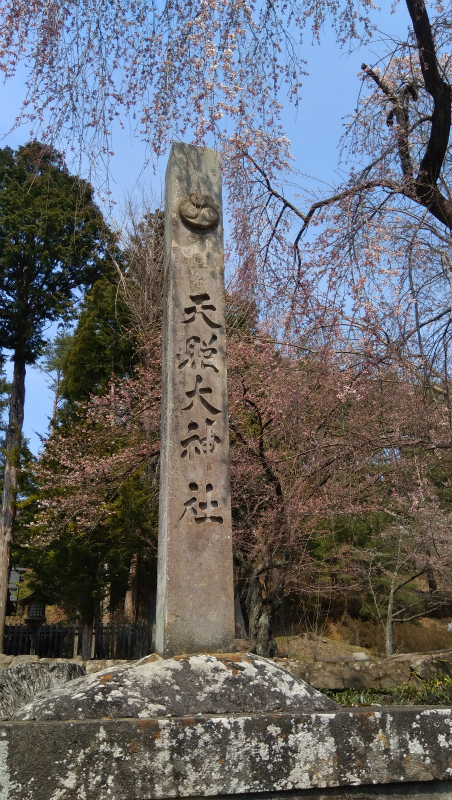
(52, 243)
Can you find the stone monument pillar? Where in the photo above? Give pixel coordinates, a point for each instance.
(195, 603)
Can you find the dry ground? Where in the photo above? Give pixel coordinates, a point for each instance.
(339, 641)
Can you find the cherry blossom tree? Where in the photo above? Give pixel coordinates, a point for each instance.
(408, 570)
(367, 264)
(174, 68)
(97, 494)
(337, 441)
(140, 277)
(85, 465)
(220, 73)
(352, 320)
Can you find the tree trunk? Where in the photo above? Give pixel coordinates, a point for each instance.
(153, 619)
(262, 641)
(87, 638)
(389, 635)
(98, 630)
(432, 584)
(240, 627)
(10, 481)
(105, 615)
(130, 598)
(143, 607)
(55, 400)
(103, 602)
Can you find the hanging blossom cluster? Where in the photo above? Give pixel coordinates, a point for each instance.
(365, 267)
(173, 68)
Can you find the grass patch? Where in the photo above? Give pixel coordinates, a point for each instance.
(435, 692)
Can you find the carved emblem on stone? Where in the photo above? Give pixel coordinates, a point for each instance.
(199, 211)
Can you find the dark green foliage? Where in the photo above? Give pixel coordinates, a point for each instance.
(80, 564)
(52, 242)
(100, 345)
(338, 544)
(54, 354)
(88, 563)
(79, 568)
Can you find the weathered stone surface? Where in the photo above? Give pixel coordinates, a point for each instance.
(140, 759)
(360, 657)
(100, 664)
(427, 665)
(23, 659)
(181, 686)
(352, 675)
(20, 683)
(428, 668)
(195, 604)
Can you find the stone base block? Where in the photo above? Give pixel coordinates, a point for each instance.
(143, 759)
(349, 675)
(433, 790)
(231, 726)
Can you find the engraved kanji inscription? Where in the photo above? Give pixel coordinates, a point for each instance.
(211, 439)
(200, 305)
(199, 393)
(195, 526)
(194, 444)
(199, 354)
(200, 510)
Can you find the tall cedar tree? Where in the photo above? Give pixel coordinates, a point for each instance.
(117, 334)
(98, 348)
(52, 243)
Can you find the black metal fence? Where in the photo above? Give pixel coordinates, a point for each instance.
(65, 641)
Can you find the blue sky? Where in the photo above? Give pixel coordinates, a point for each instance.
(330, 92)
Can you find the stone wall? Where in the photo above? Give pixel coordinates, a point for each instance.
(382, 674)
